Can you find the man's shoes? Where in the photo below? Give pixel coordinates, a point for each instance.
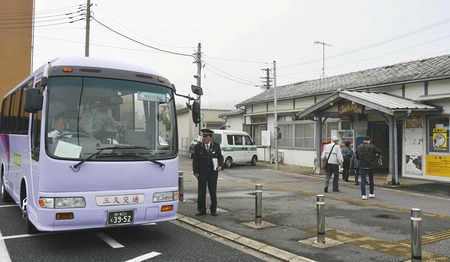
(200, 214)
(214, 214)
(356, 184)
(325, 190)
(372, 195)
(336, 190)
(364, 197)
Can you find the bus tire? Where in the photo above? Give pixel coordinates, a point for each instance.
(31, 229)
(254, 160)
(6, 197)
(228, 162)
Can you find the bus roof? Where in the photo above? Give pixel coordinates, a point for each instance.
(101, 63)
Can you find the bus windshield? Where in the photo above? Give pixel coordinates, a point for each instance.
(88, 113)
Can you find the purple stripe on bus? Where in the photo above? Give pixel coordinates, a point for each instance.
(5, 141)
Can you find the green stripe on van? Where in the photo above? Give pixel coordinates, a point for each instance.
(230, 149)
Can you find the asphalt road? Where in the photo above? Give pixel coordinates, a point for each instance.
(169, 241)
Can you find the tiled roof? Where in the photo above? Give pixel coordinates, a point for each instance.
(237, 111)
(414, 71)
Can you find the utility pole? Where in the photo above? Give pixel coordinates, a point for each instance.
(275, 110)
(198, 61)
(323, 57)
(266, 85)
(88, 28)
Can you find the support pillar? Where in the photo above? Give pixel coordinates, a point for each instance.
(318, 142)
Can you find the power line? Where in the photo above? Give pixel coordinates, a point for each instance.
(22, 27)
(237, 60)
(412, 32)
(228, 74)
(127, 28)
(231, 79)
(373, 57)
(40, 21)
(28, 17)
(48, 11)
(138, 42)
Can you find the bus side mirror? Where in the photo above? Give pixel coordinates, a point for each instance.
(33, 100)
(197, 90)
(196, 112)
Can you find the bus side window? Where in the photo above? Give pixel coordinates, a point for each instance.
(36, 132)
(23, 119)
(5, 115)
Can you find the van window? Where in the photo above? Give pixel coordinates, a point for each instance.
(230, 140)
(238, 141)
(217, 138)
(247, 141)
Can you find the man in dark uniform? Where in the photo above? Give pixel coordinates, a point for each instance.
(206, 164)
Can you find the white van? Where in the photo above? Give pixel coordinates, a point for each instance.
(236, 146)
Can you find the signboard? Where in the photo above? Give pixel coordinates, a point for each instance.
(265, 138)
(438, 165)
(349, 107)
(347, 135)
(413, 148)
(440, 139)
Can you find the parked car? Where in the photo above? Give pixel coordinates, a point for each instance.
(236, 146)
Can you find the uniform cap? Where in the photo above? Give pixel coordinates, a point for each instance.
(367, 138)
(206, 131)
(335, 138)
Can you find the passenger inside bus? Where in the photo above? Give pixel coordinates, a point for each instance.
(97, 118)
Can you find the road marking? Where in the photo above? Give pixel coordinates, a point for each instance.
(25, 235)
(4, 255)
(113, 243)
(144, 257)
(8, 206)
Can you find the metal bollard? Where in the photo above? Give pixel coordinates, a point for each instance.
(416, 235)
(320, 219)
(180, 186)
(258, 204)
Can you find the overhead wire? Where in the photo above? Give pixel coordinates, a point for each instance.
(412, 32)
(228, 74)
(139, 42)
(132, 31)
(22, 27)
(48, 11)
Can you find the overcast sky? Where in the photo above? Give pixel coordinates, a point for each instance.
(239, 38)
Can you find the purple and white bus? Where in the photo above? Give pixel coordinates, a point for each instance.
(90, 143)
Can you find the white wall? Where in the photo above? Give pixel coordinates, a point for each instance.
(413, 91)
(290, 156)
(303, 103)
(234, 122)
(439, 87)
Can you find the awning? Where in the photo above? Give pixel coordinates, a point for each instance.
(385, 103)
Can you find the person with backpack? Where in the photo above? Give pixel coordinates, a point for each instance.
(367, 155)
(347, 153)
(331, 159)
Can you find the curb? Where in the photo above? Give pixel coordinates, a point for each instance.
(244, 241)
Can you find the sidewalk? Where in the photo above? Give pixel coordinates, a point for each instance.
(360, 230)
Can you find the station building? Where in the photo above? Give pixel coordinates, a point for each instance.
(404, 108)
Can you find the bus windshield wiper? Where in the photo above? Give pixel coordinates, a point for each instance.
(76, 167)
(161, 165)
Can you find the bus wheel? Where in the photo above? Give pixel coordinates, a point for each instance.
(228, 162)
(5, 195)
(254, 160)
(31, 229)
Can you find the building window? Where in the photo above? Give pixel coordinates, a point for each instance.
(326, 130)
(299, 135)
(256, 133)
(438, 131)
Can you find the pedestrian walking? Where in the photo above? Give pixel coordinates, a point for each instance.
(206, 164)
(347, 154)
(367, 155)
(332, 158)
(354, 165)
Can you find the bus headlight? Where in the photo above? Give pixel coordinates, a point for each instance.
(165, 196)
(62, 202)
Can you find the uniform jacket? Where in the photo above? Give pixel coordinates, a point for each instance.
(367, 155)
(202, 162)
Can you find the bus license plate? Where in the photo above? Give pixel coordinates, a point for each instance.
(120, 218)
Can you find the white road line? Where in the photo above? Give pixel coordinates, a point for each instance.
(8, 206)
(4, 255)
(25, 235)
(144, 257)
(113, 243)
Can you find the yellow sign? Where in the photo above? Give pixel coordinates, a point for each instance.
(440, 139)
(438, 165)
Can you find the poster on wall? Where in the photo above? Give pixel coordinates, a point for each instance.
(440, 139)
(438, 165)
(413, 149)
